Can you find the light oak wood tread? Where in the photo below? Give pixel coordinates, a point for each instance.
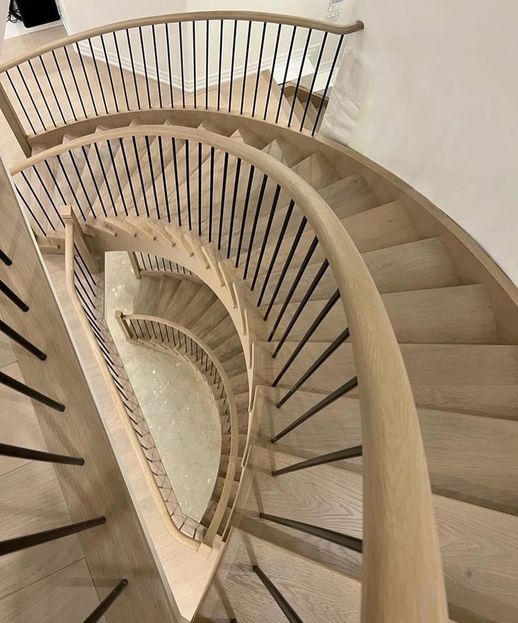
(470, 458)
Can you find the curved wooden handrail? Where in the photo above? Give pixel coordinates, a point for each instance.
(217, 518)
(402, 571)
(194, 16)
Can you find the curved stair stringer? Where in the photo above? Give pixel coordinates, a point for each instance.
(231, 468)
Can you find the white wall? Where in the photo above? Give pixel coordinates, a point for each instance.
(80, 15)
(4, 8)
(433, 97)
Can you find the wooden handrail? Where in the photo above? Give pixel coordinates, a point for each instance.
(217, 518)
(402, 570)
(194, 16)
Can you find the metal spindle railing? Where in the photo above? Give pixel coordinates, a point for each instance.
(89, 291)
(160, 333)
(237, 62)
(285, 251)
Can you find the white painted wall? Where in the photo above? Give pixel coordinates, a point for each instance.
(80, 15)
(4, 8)
(433, 98)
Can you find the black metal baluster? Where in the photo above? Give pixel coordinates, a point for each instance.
(294, 286)
(38, 201)
(222, 203)
(300, 345)
(324, 93)
(181, 62)
(23, 542)
(38, 455)
(175, 164)
(5, 258)
(22, 341)
(275, 253)
(141, 177)
(106, 183)
(110, 77)
(200, 154)
(123, 81)
(259, 68)
(46, 191)
(41, 92)
(74, 79)
(245, 213)
(13, 297)
(331, 457)
(304, 56)
(344, 335)
(29, 93)
(313, 81)
(21, 388)
(87, 79)
(128, 175)
(233, 211)
(245, 67)
(56, 185)
(80, 180)
(94, 180)
(274, 59)
(266, 236)
(188, 184)
(135, 85)
(144, 63)
(164, 181)
(115, 169)
(105, 604)
(28, 208)
(22, 106)
(194, 80)
(254, 224)
(62, 80)
(288, 60)
(350, 542)
(98, 76)
(220, 60)
(280, 600)
(316, 280)
(169, 68)
(231, 85)
(153, 180)
(330, 398)
(207, 64)
(286, 266)
(211, 192)
(157, 68)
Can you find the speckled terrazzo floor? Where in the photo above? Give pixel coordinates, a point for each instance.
(176, 402)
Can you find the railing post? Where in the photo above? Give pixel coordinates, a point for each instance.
(119, 316)
(93, 262)
(134, 264)
(14, 122)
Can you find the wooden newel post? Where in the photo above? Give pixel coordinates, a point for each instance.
(14, 122)
(93, 261)
(119, 316)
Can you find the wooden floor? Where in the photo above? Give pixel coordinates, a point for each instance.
(44, 579)
(187, 571)
(11, 151)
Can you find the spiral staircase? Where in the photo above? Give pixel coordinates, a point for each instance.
(361, 348)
